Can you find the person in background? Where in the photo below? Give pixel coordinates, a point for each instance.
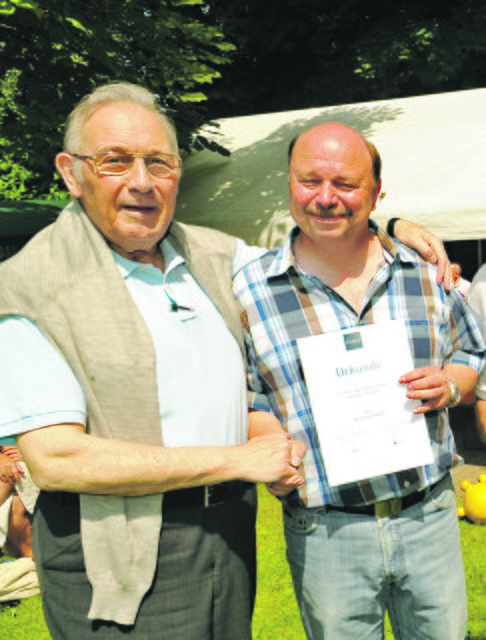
(388, 542)
(461, 285)
(18, 495)
(477, 303)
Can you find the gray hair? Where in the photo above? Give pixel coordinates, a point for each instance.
(111, 93)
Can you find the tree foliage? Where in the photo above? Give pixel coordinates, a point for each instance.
(285, 54)
(55, 51)
(13, 173)
(294, 54)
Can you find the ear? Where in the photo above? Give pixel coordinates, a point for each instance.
(376, 194)
(65, 166)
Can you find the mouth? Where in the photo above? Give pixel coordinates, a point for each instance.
(137, 208)
(330, 217)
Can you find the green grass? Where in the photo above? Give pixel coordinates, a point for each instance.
(276, 614)
(23, 622)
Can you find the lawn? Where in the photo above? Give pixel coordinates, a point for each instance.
(276, 615)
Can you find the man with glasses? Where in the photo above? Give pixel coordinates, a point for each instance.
(122, 376)
(123, 379)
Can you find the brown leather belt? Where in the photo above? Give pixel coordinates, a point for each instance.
(386, 508)
(205, 496)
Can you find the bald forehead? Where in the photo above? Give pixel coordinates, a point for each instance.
(333, 135)
(338, 139)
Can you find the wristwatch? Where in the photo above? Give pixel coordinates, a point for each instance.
(454, 393)
(390, 227)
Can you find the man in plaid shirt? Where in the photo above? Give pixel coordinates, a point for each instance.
(389, 542)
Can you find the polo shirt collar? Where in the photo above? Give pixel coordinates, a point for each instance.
(129, 267)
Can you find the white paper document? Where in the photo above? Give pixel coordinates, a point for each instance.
(364, 420)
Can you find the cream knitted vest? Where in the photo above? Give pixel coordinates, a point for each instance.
(67, 281)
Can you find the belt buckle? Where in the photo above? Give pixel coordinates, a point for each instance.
(214, 494)
(387, 508)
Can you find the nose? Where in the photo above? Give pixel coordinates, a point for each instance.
(139, 177)
(326, 195)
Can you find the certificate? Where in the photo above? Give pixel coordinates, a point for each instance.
(364, 420)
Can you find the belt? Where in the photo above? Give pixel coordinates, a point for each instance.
(208, 495)
(386, 508)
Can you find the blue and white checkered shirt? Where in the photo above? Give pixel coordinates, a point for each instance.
(280, 304)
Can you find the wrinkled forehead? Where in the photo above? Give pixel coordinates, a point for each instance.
(126, 126)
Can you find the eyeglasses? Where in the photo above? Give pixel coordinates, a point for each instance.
(115, 163)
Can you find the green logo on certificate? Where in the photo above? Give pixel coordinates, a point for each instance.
(352, 341)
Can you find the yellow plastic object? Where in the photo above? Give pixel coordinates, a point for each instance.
(474, 504)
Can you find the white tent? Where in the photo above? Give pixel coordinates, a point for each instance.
(434, 166)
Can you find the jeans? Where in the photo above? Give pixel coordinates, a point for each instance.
(349, 569)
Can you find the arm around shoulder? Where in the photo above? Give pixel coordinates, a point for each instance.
(426, 243)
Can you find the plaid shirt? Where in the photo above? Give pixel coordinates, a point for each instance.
(280, 304)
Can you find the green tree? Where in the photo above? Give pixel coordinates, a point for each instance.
(285, 54)
(294, 54)
(55, 51)
(13, 173)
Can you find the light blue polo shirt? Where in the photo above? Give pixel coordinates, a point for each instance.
(200, 371)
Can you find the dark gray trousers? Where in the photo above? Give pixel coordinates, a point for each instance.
(205, 583)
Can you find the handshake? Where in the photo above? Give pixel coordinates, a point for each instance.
(271, 456)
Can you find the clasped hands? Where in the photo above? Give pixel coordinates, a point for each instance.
(288, 484)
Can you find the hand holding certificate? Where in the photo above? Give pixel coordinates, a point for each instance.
(364, 420)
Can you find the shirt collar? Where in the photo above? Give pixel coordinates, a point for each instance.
(128, 267)
(284, 258)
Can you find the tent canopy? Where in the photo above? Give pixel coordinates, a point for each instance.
(434, 157)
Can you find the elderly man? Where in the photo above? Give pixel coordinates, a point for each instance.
(359, 545)
(123, 378)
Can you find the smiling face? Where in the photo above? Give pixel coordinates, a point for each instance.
(331, 181)
(132, 211)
